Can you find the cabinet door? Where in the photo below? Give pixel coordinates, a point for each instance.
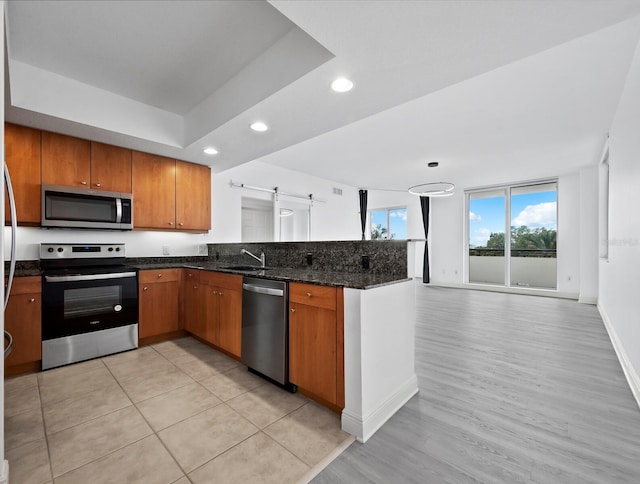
(65, 160)
(194, 309)
(158, 307)
(193, 196)
(153, 180)
(22, 320)
(312, 349)
(22, 154)
(110, 168)
(212, 313)
(230, 322)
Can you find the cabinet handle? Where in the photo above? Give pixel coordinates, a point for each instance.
(180, 224)
(221, 293)
(170, 223)
(145, 288)
(98, 185)
(83, 183)
(33, 299)
(189, 274)
(215, 292)
(159, 275)
(308, 294)
(292, 310)
(195, 287)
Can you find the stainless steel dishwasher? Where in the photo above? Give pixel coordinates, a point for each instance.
(265, 328)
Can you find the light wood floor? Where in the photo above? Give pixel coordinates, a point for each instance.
(512, 389)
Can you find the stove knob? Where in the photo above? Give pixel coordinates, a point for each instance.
(50, 249)
(117, 249)
(110, 249)
(60, 249)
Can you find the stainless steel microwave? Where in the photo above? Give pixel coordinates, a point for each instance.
(82, 208)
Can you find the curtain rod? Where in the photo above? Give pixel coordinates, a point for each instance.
(277, 191)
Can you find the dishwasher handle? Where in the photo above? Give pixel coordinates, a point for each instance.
(269, 291)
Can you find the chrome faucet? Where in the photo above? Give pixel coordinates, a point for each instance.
(262, 259)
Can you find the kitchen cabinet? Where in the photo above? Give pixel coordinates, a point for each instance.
(223, 300)
(158, 292)
(193, 196)
(22, 154)
(316, 350)
(65, 160)
(110, 168)
(154, 191)
(22, 320)
(193, 310)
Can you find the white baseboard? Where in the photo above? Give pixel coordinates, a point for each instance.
(4, 472)
(364, 427)
(629, 372)
(588, 300)
(509, 290)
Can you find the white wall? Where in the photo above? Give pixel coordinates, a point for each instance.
(589, 240)
(336, 219)
(619, 281)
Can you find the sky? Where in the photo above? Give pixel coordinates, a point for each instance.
(486, 215)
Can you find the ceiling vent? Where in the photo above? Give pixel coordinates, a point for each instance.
(337, 191)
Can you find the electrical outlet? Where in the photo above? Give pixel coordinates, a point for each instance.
(165, 250)
(365, 262)
(203, 249)
(309, 258)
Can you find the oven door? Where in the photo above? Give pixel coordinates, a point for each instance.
(83, 303)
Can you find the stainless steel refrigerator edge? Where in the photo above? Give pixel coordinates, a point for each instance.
(265, 327)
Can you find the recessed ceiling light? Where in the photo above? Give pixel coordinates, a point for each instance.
(210, 150)
(259, 126)
(341, 84)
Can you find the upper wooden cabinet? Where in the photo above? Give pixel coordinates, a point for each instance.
(22, 154)
(170, 194)
(110, 168)
(193, 196)
(154, 191)
(65, 160)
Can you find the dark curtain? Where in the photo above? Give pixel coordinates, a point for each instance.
(424, 204)
(363, 211)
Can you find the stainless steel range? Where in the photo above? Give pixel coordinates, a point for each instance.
(89, 302)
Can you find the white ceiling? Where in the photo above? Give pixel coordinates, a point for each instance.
(506, 90)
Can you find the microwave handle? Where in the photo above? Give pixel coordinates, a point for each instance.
(118, 210)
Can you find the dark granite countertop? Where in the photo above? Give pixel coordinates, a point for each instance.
(325, 278)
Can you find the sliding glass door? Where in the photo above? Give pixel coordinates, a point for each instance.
(528, 213)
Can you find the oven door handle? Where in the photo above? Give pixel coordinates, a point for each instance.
(89, 277)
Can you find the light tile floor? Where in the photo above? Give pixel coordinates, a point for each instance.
(174, 412)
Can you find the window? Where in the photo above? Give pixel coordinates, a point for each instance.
(388, 223)
(528, 213)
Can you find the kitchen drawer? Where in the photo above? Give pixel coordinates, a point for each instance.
(313, 295)
(191, 275)
(25, 285)
(160, 275)
(219, 279)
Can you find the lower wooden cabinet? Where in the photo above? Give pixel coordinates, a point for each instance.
(223, 300)
(158, 292)
(316, 349)
(22, 319)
